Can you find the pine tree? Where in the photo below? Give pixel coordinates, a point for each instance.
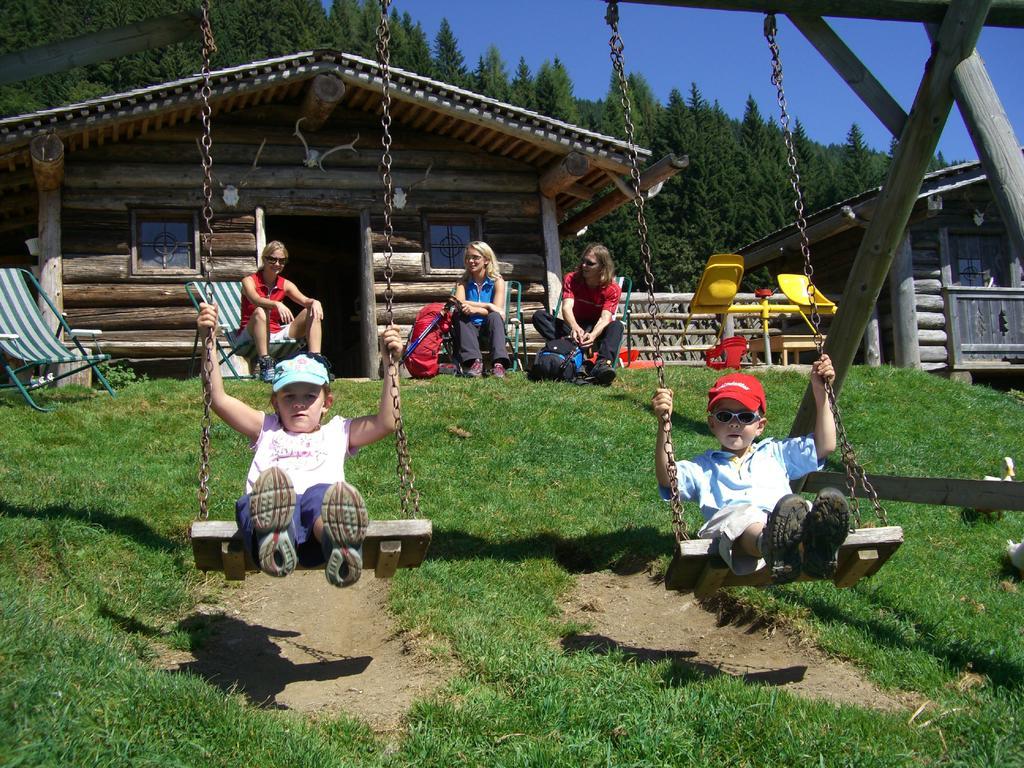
(449, 64)
(491, 77)
(415, 53)
(855, 173)
(523, 92)
(554, 92)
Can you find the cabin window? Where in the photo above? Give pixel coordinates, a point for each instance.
(446, 238)
(164, 243)
(982, 261)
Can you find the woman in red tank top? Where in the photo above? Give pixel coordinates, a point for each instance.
(265, 316)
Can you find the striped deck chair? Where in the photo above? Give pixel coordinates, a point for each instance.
(227, 295)
(27, 341)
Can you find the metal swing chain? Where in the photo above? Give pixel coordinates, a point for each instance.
(854, 471)
(409, 493)
(206, 255)
(618, 64)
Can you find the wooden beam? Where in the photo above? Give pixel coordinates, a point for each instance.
(1003, 13)
(564, 174)
(661, 171)
(938, 491)
(995, 140)
(98, 46)
(552, 250)
(852, 70)
(934, 100)
(323, 94)
(47, 153)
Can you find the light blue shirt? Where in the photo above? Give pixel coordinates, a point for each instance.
(717, 478)
(482, 293)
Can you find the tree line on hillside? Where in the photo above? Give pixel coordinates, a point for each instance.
(735, 190)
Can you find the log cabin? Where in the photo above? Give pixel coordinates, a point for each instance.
(953, 302)
(109, 191)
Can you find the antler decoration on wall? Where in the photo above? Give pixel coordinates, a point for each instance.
(402, 195)
(314, 157)
(230, 191)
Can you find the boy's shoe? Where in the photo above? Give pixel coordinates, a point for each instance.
(828, 523)
(266, 369)
(603, 373)
(782, 537)
(344, 516)
(271, 504)
(475, 371)
(498, 371)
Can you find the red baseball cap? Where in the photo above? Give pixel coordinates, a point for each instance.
(741, 387)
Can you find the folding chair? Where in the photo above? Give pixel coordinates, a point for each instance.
(626, 284)
(25, 336)
(227, 295)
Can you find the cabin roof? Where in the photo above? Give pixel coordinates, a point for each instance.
(541, 138)
(852, 212)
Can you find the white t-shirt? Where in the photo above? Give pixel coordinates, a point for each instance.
(309, 458)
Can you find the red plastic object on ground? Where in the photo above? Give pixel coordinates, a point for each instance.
(727, 354)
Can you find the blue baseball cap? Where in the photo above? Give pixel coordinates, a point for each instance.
(302, 369)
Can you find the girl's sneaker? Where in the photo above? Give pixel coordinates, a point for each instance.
(343, 513)
(272, 503)
(828, 523)
(782, 536)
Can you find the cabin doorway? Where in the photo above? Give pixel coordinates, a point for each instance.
(323, 261)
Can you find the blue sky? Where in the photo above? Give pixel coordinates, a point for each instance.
(726, 55)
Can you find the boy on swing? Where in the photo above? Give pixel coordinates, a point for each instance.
(297, 507)
(743, 487)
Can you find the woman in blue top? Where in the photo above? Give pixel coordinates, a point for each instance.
(480, 294)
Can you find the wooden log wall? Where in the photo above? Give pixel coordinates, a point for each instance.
(150, 316)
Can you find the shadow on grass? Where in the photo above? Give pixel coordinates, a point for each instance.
(129, 527)
(931, 638)
(683, 671)
(245, 658)
(46, 398)
(625, 552)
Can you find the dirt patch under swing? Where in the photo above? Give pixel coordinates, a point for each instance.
(646, 622)
(299, 643)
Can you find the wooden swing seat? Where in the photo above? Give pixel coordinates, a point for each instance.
(389, 545)
(696, 566)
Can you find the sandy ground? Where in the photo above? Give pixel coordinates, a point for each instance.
(643, 620)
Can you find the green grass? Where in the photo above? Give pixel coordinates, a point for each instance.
(551, 481)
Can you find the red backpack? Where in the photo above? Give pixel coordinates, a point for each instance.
(432, 322)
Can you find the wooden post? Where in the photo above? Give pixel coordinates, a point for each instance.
(552, 250)
(563, 175)
(934, 99)
(996, 142)
(369, 349)
(873, 341)
(261, 232)
(47, 153)
(906, 352)
(323, 94)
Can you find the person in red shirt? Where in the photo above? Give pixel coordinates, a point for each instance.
(265, 316)
(590, 300)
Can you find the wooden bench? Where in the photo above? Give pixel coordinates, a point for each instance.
(389, 544)
(784, 344)
(697, 567)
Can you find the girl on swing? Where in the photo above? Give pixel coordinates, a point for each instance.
(743, 487)
(297, 507)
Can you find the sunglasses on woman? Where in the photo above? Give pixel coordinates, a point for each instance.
(586, 263)
(743, 417)
(276, 260)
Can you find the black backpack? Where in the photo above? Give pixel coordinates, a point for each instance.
(560, 360)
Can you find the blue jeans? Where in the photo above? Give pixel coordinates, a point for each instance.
(307, 511)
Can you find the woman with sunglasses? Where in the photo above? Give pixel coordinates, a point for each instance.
(480, 294)
(590, 299)
(266, 319)
(743, 487)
